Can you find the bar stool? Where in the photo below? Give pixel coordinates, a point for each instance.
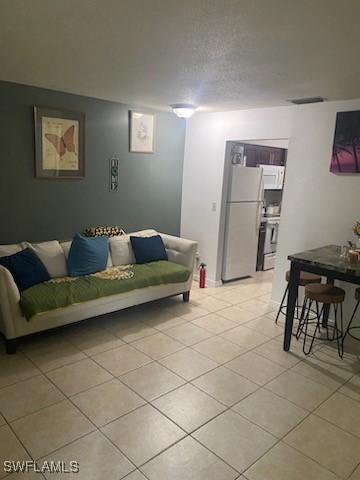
(350, 327)
(329, 296)
(304, 279)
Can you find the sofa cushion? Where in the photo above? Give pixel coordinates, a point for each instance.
(87, 255)
(26, 268)
(66, 249)
(52, 256)
(121, 250)
(149, 249)
(6, 250)
(64, 292)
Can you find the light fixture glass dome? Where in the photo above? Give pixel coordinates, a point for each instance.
(184, 110)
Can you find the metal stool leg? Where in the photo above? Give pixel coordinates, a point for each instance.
(282, 303)
(317, 329)
(340, 336)
(303, 310)
(350, 323)
(301, 319)
(337, 332)
(328, 327)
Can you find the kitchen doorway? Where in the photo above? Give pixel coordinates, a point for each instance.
(269, 155)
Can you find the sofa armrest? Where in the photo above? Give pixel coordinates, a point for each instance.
(180, 250)
(9, 302)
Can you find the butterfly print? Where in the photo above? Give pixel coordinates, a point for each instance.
(62, 144)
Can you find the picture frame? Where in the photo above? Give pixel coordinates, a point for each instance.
(345, 158)
(141, 132)
(59, 143)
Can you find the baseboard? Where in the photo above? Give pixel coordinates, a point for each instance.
(209, 282)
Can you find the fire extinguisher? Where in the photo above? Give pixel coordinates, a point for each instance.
(202, 275)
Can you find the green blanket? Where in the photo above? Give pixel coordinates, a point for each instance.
(67, 291)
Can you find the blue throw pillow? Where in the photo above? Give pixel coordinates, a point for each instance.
(148, 249)
(26, 268)
(87, 255)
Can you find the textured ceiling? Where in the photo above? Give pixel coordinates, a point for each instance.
(220, 54)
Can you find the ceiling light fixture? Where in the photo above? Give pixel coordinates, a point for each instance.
(184, 110)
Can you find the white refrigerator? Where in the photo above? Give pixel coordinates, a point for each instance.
(243, 217)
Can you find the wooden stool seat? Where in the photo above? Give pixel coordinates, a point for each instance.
(322, 293)
(305, 278)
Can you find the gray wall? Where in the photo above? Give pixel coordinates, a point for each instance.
(318, 207)
(37, 209)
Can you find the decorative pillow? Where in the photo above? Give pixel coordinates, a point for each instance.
(87, 255)
(144, 233)
(104, 231)
(6, 250)
(66, 245)
(121, 250)
(66, 249)
(52, 256)
(26, 268)
(148, 249)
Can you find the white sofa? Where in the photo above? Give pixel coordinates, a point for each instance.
(14, 325)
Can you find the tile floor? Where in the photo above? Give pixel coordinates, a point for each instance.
(175, 391)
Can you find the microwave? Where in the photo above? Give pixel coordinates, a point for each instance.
(273, 176)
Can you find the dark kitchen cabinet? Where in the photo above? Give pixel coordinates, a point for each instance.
(259, 155)
(250, 153)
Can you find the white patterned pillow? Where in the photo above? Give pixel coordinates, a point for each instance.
(121, 249)
(52, 256)
(6, 250)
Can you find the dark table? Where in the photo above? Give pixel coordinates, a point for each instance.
(324, 261)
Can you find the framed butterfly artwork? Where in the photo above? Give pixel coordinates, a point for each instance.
(59, 143)
(142, 126)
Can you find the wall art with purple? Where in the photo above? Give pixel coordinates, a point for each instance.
(346, 148)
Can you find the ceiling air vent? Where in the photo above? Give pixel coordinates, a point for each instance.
(303, 101)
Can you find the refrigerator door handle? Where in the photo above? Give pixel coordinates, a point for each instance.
(260, 203)
(260, 196)
(258, 217)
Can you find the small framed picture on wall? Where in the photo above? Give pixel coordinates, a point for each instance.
(142, 127)
(59, 143)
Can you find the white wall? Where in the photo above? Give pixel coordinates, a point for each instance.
(318, 207)
(206, 136)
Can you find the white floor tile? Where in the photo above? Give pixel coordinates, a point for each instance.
(97, 458)
(142, 434)
(333, 448)
(234, 439)
(51, 428)
(188, 460)
(188, 407)
(284, 463)
(271, 412)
